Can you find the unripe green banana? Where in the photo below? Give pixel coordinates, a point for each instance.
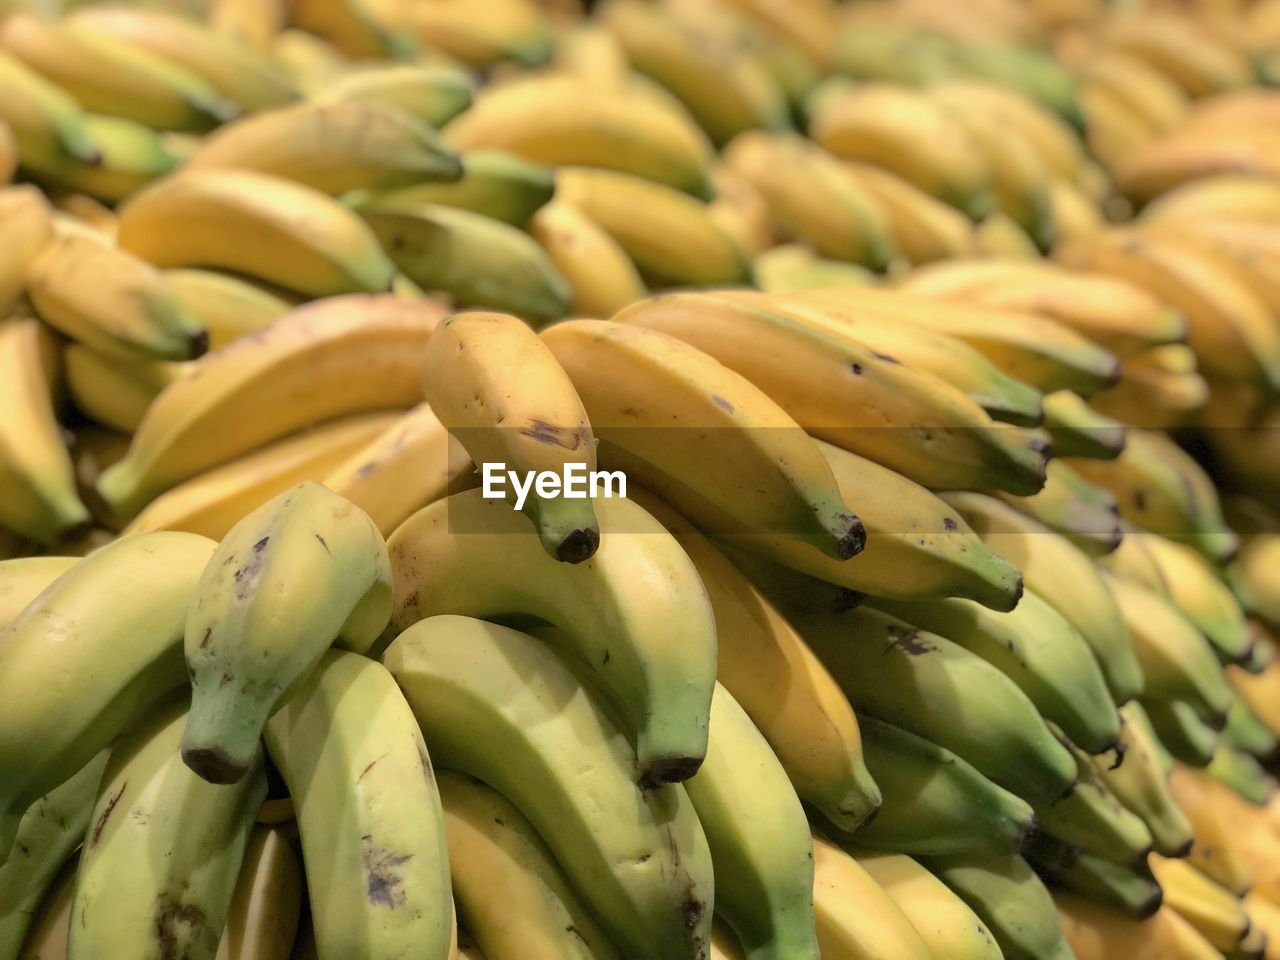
(305, 570)
(1181, 732)
(1132, 889)
(1141, 782)
(1070, 505)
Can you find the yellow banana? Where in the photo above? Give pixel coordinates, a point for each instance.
(1140, 782)
(1230, 197)
(481, 33)
(1214, 911)
(129, 157)
(1075, 214)
(922, 228)
(1218, 851)
(601, 276)
(1099, 931)
(22, 579)
(790, 267)
(809, 25)
(28, 227)
(1189, 153)
(262, 919)
(435, 95)
(999, 235)
(353, 27)
(45, 120)
(253, 23)
(1144, 87)
(1078, 430)
(227, 306)
(112, 390)
(1194, 60)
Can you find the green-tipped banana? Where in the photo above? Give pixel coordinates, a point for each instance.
(47, 124)
(1132, 889)
(1078, 431)
(129, 156)
(435, 95)
(1244, 730)
(228, 306)
(1070, 505)
(305, 570)
(1181, 731)
(1242, 773)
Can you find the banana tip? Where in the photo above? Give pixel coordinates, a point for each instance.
(198, 344)
(214, 765)
(853, 540)
(578, 546)
(663, 770)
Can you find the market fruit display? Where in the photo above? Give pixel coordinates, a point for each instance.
(639, 480)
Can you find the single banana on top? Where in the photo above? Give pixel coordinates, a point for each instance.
(651, 400)
(498, 705)
(566, 119)
(130, 156)
(435, 95)
(227, 306)
(849, 394)
(813, 198)
(1065, 578)
(108, 75)
(298, 371)
(758, 836)
(258, 225)
(922, 227)
(499, 390)
(373, 832)
(602, 278)
(333, 147)
(162, 856)
(38, 497)
(635, 613)
(302, 572)
(262, 920)
(936, 689)
(112, 390)
(46, 121)
(47, 837)
(28, 226)
(1078, 430)
(1068, 504)
(68, 700)
(22, 579)
(509, 890)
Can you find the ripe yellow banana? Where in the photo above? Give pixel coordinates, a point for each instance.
(1078, 430)
(1193, 59)
(921, 227)
(255, 629)
(497, 388)
(262, 920)
(1144, 87)
(1075, 213)
(498, 705)
(1218, 851)
(373, 832)
(482, 33)
(115, 391)
(791, 266)
(46, 122)
(226, 306)
(258, 225)
(848, 393)
(38, 497)
(355, 28)
(297, 372)
(111, 669)
(435, 95)
(999, 235)
(1228, 197)
(906, 133)
(566, 119)
(601, 276)
(28, 227)
(22, 579)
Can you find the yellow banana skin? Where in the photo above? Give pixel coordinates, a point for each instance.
(651, 398)
(47, 123)
(115, 391)
(761, 847)
(1141, 784)
(38, 498)
(258, 225)
(501, 392)
(435, 95)
(789, 267)
(1214, 911)
(73, 698)
(373, 832)
(1229, 197)
(22, 579)
(254, 630)
(508, 888)
(1193, 59)
(564, 119)
(296, 372)
(227, 307)
(47, 837)
(602, 277)
(130, 156)
(332, 147)
(28, 221)
(484, 32)
(635, 612)
(262, 920)
(193, 833)
(496, 704)
(922, 227)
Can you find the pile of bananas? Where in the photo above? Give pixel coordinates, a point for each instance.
(935, 345)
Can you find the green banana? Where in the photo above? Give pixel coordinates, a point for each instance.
(1242, 773)
(1079, 431)
(1244, 729)
(1132, 889)
(1181, 732)
(1070, 505)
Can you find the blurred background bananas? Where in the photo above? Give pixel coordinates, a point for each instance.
(938, 344)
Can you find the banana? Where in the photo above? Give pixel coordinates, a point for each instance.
(601, 276)
(1112, 312)
(473, 259)
(912, 679)
(566, 119)
(1078, 430)
(671, 236)
(499, 390)
(1214, 911)
(312, 63)
(129, 156)
(1075, 214)
(1257, 691)
(262, 919)
(498, 184)
(22, 579)
(1048, 564)
(843, 396)
(651, 398)
(373, 831)
(811, 197)
(1038, 351)
(194, 833)
(1068, 504)
(355, 28)
(46, 122)
(38, 498)
(498, 705)
(108, 75)
(1189, 154)
(226, 306)
(1228, 197)
(1132, 890)
(296, 372)
(110, 669)
(1218, 850)
(1038, 649)
(433, 94)
(47, 837)
(332, 147)
(1161, 489)
(809, 26)
(28, 226)
(856, 918)
(905, 132)
(1160, 389)
(946, 923)
(1139, 781)
(51, 922)
(811, 729)
(114, 390)
(1193, 59)
(1010, 900)
(1242, 773)
(258, 225)
(484, 33)
(789, 267)
(509, 890)
(726, 91)
(1145, 88)
(1097, 931)
(999, 235)
(1182, 732)
(635, 613)
(254, 632)
(1246, 731)
(921, 227)
(935, 803)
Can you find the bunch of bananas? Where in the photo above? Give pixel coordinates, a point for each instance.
(918, 369)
